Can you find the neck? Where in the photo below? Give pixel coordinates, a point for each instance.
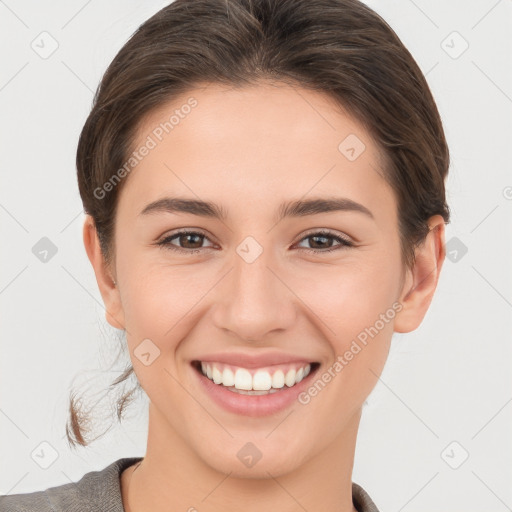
(172, 477)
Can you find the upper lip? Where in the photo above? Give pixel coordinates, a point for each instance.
(253, 360)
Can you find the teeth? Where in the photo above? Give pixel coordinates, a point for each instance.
(261, 383)
(216, 375)
(289, 380)
(278, 379)
(243, 379)
(228, 378)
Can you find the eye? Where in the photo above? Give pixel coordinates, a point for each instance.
(192, 239)
(322, 239)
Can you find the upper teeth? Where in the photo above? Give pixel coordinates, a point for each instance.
(262, 380)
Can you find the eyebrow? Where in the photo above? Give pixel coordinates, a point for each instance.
(300, 208)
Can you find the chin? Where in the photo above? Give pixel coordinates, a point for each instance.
(256, 459)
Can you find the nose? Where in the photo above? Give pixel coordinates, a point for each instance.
(254, 300)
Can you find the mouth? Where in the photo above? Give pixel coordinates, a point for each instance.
(254, 391)
(255, 381)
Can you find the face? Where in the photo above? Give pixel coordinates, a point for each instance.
(318, 285)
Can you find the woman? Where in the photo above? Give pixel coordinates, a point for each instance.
(264, 184)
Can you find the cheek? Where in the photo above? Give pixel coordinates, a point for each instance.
(162, 303)
(350, 296)
(355, 302)
(155, 306)
(355, 306)
(154, 293)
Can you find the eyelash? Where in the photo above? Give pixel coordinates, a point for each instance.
(344, 242)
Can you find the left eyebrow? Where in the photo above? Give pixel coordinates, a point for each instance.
(300, 208)
(320, 205)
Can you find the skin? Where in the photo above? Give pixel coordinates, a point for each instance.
(288, 299)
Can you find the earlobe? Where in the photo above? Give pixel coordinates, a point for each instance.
(421, 281)
(106, 283)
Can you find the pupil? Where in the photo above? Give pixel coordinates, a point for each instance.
(193, 236)
(315, 238)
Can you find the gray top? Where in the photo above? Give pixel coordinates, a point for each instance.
(100, 491)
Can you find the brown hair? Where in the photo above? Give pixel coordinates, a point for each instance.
(339, 47)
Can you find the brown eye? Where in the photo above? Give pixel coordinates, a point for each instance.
(188, 241)
(322, 242)
(192, 242)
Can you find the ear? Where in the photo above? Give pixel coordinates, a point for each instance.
(421, 281)
(109, 291)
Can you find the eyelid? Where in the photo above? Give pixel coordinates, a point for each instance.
(344, 241)
(312, 231)
(328, 232)
(185, 231)
(181, 231)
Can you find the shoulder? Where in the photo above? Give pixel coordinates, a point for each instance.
(95, 491)
(361, 499)
(25, 502)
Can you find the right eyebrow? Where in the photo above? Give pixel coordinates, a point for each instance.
(192, 206)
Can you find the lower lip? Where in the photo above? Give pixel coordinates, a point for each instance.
(253, 405)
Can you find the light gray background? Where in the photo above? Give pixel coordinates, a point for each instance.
(447, 381)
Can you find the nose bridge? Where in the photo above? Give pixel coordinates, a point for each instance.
(255, 301)
(253, 281)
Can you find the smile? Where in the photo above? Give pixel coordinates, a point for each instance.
(256, 380)
(254, 391)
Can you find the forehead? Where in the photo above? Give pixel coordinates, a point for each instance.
(251, 144)
(277, 114)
